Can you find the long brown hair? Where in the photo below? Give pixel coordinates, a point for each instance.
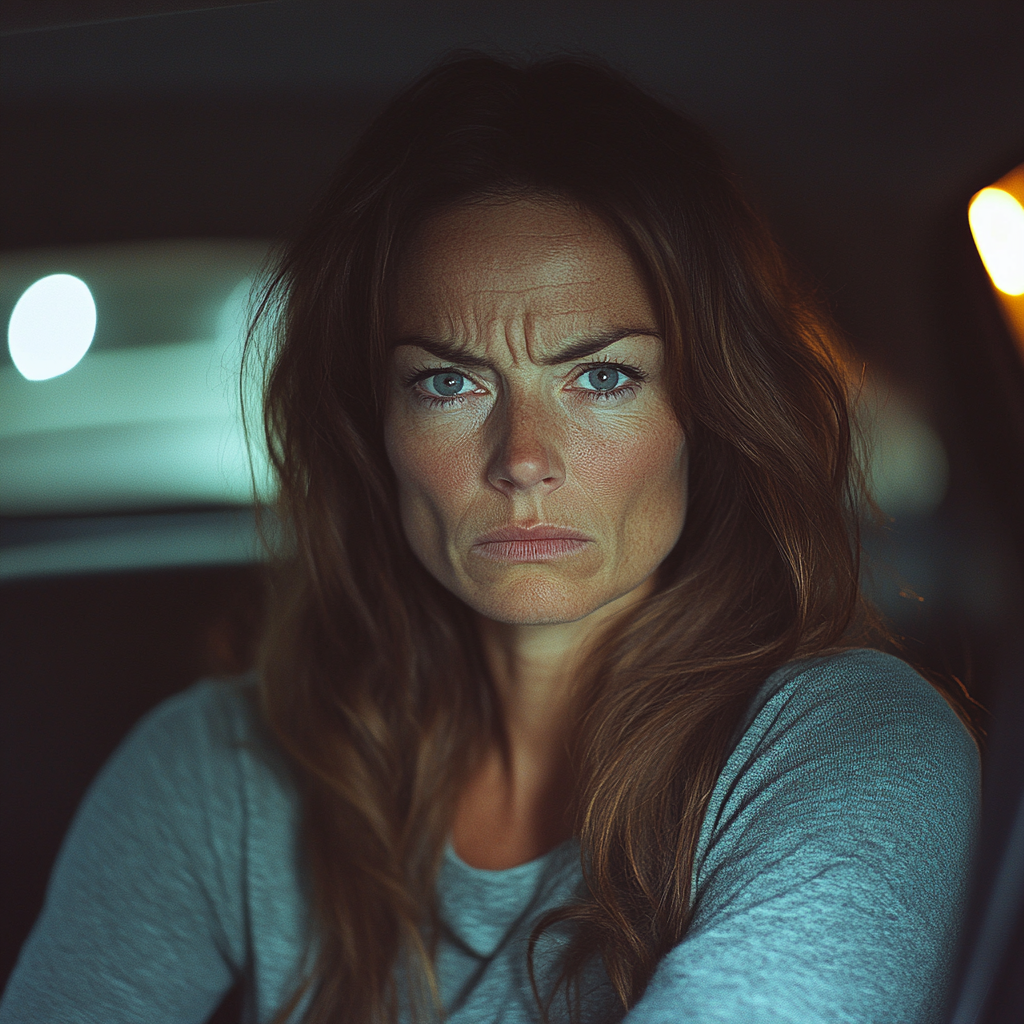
(380, 728)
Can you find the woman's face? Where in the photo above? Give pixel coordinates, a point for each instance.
(540, 467)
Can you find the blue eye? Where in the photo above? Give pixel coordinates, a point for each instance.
(446, 384)
(605, 378)
(610, 381)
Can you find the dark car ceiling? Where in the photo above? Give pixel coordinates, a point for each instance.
(858, 125)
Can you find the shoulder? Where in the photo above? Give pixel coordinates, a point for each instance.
(841, 747)
(184, 837)
(857, 699)
(208, 725)
(209, 711)
(202, 755)
(834, 855)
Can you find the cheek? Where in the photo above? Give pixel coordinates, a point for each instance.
(639, 468)
(433, 469)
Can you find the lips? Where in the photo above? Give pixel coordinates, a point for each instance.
(530, 544)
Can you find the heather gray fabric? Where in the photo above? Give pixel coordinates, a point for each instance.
(830, 875)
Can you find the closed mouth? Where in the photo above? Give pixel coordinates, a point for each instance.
(540, 543)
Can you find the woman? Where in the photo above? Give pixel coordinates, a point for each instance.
(562, 710)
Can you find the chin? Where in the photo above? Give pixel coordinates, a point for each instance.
(537, 602)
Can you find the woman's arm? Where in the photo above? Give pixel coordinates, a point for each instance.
(143, 919)
(831, 877)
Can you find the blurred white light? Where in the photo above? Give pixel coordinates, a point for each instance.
(997, 223)
(52, 326)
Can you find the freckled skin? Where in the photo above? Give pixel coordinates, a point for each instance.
(525, 442)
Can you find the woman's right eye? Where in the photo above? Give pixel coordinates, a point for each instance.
(448, 384)
(442, 387)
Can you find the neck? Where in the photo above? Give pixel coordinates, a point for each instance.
(536, 669)
(518, 803)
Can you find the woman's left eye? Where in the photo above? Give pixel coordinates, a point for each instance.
(609, 380)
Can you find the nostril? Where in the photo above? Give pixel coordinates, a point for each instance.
(526, 453)
(525, 473)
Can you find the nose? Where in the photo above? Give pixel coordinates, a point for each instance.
(526, 455)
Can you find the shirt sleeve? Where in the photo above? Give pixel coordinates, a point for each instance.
(832, 870)
(143, 918)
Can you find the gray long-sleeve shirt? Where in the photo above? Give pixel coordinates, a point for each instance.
(829, 881)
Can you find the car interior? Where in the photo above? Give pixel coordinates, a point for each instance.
(155, 155)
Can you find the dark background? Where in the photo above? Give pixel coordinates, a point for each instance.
(861, 127)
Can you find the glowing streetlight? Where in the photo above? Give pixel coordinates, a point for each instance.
(52, 326)
(997, 223)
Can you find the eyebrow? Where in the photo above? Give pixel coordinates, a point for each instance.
(453, 352)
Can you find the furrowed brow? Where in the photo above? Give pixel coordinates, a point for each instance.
(446, 351)
(595, 342)
(452, 352)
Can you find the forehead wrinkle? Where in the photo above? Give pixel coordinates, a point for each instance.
(464, 285)
(556, 266)
(510, 339)
(553, 241)
(552, 322)
(548, 333)
(532, 288)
